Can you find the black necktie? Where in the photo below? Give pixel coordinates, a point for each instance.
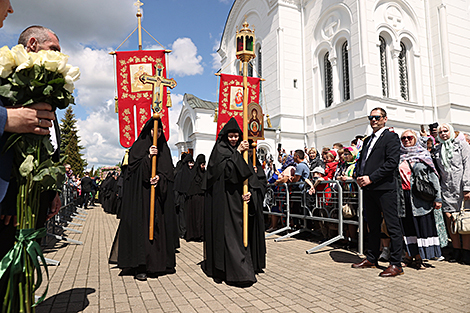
(365, 150)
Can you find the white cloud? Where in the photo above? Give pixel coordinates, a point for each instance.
(99, 134)
(177, 101)
(215, 56)
(184, 61)
(84, 21)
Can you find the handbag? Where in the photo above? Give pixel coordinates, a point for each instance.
(461, 222)
(422, 187)
(348, 211)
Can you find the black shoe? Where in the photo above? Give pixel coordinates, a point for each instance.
(141, 276)
(456, 256)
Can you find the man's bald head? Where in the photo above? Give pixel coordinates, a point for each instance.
(36, 38)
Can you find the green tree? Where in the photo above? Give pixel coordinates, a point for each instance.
(70, 143)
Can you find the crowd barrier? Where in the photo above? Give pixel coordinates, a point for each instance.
(68, 215)
(289, 201)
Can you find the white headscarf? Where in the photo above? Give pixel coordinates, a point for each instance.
(447, 146)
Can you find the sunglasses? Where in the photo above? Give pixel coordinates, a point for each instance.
(409, 138)
(374, 117)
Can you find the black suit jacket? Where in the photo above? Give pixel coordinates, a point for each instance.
(382, 164)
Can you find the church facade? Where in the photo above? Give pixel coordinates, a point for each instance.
(328, 63)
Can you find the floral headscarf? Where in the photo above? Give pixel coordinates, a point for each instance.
(416, 153)
(447, 146)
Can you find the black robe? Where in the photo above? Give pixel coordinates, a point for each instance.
(182, 180)
(226, 258)
(256, 238)
(135, 249)
(194, 205)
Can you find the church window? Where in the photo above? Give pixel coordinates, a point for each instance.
(345, 59)
(403, 71)
(383, 66)
(328, 80)
(260, 70)
(250, 68)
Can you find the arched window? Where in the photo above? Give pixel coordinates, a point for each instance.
(260, 70)
(250, 68)
(345, 59)
(383, 66)
(403, 71)
(328, 80)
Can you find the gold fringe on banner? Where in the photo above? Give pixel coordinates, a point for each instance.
(268, 121)
(126, 158)
(168, 99)
(215, 115)
(116, 109)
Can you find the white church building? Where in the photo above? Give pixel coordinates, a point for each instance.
(328, 63)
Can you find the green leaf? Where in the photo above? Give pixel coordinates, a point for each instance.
(48, 90)
(27, 166)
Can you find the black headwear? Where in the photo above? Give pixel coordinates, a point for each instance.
(222, 151)
(195, 185)
(185, 175)
(433, 125)
(140, 149)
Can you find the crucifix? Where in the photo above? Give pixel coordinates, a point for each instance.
(158, 82)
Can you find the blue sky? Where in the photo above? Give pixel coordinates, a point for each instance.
(89, 30)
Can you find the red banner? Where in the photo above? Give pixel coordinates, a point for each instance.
(231, 98)
(134, 97)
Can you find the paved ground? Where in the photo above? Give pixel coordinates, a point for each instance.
(293, 281)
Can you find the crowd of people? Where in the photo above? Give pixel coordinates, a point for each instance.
(405, 225)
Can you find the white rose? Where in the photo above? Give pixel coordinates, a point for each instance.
(73, 73)
(51, 60)
(20, 55)
(69, 84)
(7, 62)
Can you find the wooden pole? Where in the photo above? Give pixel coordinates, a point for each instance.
(156, 117)
(255, 143)
(245, 153)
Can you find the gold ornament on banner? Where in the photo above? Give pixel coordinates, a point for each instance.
(215, 115)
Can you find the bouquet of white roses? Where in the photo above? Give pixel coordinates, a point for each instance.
(27, 78)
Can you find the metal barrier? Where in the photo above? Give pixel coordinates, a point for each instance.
(67, 213)
(324, 206)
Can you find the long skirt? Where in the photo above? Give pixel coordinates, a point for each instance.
(420, 233)
(195, 218)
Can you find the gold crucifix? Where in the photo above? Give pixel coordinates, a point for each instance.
(158, 82)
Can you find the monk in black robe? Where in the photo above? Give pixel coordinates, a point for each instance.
(135, 250)
(182, 179)
(257, 184)
(195, 202)
(226, 258)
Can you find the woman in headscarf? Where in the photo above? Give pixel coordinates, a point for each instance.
(195, 203)
(453, 162)
(417, 216)
(226, 257)
(182, 180)
(136, 251)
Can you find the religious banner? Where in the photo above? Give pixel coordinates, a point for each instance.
(231, 98)
(255, 122)
(134, 96)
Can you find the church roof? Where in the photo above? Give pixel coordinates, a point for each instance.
(196, 103)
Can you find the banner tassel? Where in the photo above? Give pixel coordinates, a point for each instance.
(116, 106)
(268, 121)
(168, 99)
(215, 115)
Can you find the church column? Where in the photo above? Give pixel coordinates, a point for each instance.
(443, 38)
(336, 78)
(394, 91)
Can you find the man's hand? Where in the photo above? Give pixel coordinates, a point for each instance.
(244, 145)
(55, 206)
(7, 218)
(246, 197)
(363, 181)
(35, 119)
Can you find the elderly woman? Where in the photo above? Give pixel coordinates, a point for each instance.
(419, 226)
(453, 162)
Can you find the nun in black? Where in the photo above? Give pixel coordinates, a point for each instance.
(135, 250)
(226, 258)
(257, 184)
(194, 207)
(182, 179)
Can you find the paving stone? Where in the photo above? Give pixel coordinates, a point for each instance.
(293, 281)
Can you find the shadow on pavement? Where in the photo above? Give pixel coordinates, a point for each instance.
(71, 301)
(344, 257)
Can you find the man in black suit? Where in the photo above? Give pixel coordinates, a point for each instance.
(376, 172)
